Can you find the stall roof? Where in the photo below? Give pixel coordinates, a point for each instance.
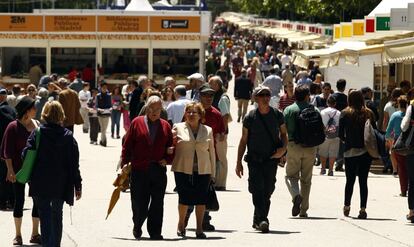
(381, 37)
(385, 6)
(329, 57)
(399, 51)
(139, 5)
(292, 36)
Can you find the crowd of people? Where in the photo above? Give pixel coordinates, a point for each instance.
(187, 127)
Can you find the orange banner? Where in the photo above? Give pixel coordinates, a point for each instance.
(175, 24)
(137, 24)
(70, 23)
(21, 23)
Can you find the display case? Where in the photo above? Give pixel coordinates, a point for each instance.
(64, 59)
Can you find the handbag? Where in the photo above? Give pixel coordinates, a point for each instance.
(404, 144)
(212, 201)
(370, 140)
(23, 176)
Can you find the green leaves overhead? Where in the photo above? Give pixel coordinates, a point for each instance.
(325, 11)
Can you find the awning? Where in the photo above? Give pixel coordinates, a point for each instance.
(399, 54)
(328, 57)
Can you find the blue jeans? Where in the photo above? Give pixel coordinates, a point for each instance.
(115, 120)
(50, 212)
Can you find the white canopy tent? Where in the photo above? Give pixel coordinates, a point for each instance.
(385, 6)
(139, 5)
(163, 3)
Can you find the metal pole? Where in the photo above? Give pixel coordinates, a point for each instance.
(382, 77)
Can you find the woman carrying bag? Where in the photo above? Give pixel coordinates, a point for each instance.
(14, 140)
(357, 159)
(55, 176)
(194, 165)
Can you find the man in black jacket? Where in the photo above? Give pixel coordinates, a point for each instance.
(243, 88)
(7, 115)
(134, 103)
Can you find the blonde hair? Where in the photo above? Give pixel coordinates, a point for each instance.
(200, 109)
(53, 112)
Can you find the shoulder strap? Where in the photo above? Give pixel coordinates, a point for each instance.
(266, 127)
(37, 137)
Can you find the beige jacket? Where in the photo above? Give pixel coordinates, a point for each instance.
(187, 146)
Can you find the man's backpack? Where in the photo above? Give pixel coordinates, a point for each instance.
(331, 131)
(310, 131)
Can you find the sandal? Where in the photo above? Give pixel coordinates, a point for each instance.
(180, 233)
(36, 239)
(18, 240)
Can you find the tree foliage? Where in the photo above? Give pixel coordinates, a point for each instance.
(324, 11)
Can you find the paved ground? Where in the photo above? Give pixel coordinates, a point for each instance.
(386, 225)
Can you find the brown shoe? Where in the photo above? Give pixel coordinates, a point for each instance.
(37, 239)
(18, 240)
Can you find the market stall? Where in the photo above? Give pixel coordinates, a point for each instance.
(122, 43)
(359, 60)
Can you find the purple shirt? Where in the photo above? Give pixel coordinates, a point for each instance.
(14, 141)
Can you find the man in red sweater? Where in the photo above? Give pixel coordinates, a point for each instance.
(145, 147)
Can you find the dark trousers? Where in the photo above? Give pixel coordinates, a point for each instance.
(50, 212)
(19, 201)
(147, 198)
(94, 131)
(6, 188)
(115, 122)
(262, 179)
(402, 172)
(357, 166)
(409, 161)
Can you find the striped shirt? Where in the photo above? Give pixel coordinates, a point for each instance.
(285, 101)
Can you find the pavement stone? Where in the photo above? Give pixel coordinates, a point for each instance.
(386, 225)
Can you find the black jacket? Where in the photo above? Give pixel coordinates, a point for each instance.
(56, 172)
(243, 88)
(134, 103)
(7, 115)
(352, 133)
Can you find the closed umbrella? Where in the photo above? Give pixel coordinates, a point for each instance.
(121, 183)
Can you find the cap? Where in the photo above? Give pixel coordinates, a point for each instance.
(206, 89)
(196, 76)
(168, 78)
(3, 91)
(276, 67)
(261, 90)
(24, 104)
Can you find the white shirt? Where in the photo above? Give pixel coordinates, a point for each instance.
(84, 96)
(284, 60)
(175, 110)
(390, 109)
(328, 113)
(407, 119)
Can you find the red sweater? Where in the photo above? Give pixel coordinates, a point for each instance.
(139, 149)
